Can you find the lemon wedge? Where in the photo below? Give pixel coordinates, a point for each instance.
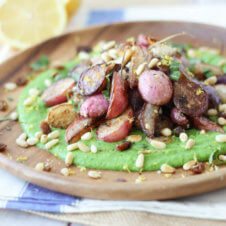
(71, 6)
(24, 22)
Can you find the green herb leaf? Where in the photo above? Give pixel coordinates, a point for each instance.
(40, 64)
(174, 70)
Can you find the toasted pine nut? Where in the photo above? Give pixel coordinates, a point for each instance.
(113, 53)
(38, 135)
(93, 148)
(165, 168)
(23, 136)
(48, 82)
(105, 56)
(51, 143)
(166, 132)
(34, 92)
(222, 157)
(127, 56)
(10, 86)
(22, 143)
(108, 45)
(190, 143)
(82, 147)
(158, 144)
(65, 172)
(13, 116)
(191, 53)
(140, 68)
(40, 166)
(211, 80)
(43, 138)
(83, 55)
(29, 101)
(212, 112)
(202, 131)
(221, 121)
(94, 174)
(69, 159)
(32, 141)
(72, 147)
(140, 161)
(53, 135)
(183, 137)
(86, 136)
(188, 165)
(153, 63)
(134, 138)
(222, 107)
(220, 138)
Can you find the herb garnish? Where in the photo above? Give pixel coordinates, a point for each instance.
(40, 64)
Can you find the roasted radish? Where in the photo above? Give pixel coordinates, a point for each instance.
(57, 93)
(118, 97)
(61, 116)
(155, 87)
(92, 80)
(94, 106)
(178, 117)
(76, 72)
(116, 129)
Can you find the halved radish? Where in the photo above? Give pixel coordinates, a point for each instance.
(57, 92)
(116, 129)
(77, 128)
(92, 80)
(118, 97)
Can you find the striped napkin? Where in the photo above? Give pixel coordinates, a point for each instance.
(20, 195)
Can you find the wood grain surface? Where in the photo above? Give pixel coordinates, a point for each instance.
(108, 187)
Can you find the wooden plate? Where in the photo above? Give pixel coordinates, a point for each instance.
(111, 186)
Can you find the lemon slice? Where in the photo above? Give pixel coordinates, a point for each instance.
(27, 22)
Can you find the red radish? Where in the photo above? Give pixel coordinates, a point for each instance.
(94, 106)
(57, 92)
(142, 40)
(116, 129)
(155, 87)
(77, 128)
(118, 97)
(178, 117)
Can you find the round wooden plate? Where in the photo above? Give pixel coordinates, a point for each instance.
(113, 185)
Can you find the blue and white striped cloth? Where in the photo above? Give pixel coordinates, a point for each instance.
(20, 195)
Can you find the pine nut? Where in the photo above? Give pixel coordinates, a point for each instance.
(94, 174)
(222, 107)
(29, 101)
(43, 139)
(140, 179)
(83, 55)
(72, 147)
(222, 157)
(13, 116)
(21, 143)
(220, 138)
(211, 81)
(191, 53)
(86, 136)
(10, 86)
(221, 121)
(51, 143)
(202, 131)
(165, 168)
(82, 147)
(40, 166)
(158, 144)
(23, 136)
(69, 159)
(38, 135)
(53, 135)
(183, 137)
(134, 138)
(140, 161)
(188, 165)
(166, 132)
(153, 63)
(190, 143)
(48, 82)
(113, 53)
(34, 92)
(140, 68)
(32, 141)
(65, 172)
(105, 56)
(127, 56)
(93, 148)
(212, 112)
(108, 45)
